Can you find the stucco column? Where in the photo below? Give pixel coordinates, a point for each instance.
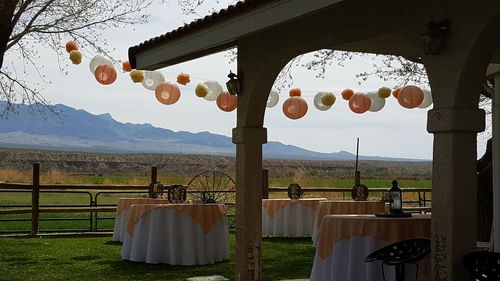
(258, 67)
(454, 183)
(493, 71)
(496, 163)
(249, 201)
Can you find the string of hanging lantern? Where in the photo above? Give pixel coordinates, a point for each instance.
(294, 107)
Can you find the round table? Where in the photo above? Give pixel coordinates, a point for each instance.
(287, 217)
(341, 208)
(122, 214)
(344, 241)
(177, 234)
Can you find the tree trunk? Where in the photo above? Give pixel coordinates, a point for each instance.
(7, 9)
(485, 195)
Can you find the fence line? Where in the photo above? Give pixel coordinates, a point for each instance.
(36, 188)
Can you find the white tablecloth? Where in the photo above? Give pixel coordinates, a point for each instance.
(122, 214)
(169, 236)
(346, 262)
(341, 208)
(293, 220)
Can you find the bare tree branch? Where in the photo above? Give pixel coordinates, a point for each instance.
(52, 23)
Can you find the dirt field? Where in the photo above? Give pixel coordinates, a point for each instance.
(184, 165)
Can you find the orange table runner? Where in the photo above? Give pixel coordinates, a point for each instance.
(339, 227)
(347, 207)
(206, 215)
(125, 203)
(273, 205)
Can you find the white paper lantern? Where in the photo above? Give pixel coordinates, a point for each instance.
(98, 60)
(318, 103)
(152, 79)
(273, 99)
(214, 89)
(377, 102)
(427, 99)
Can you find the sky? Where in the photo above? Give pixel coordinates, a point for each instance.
(392, 132)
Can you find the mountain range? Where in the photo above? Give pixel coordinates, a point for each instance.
(78, 130)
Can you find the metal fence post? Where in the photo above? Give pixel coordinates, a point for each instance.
(265, 184)
(35, 199)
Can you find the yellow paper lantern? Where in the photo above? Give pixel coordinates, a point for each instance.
(318, 103)
(137, 75)
(201, 90)
(328, 99)
(384, 92)
(75, 56)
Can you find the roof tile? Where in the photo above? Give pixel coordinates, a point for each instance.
(239, 8)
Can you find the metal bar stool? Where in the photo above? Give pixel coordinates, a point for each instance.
(400, 253)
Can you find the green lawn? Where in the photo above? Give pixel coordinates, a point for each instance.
(92, 259)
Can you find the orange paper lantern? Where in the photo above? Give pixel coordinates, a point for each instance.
(105, 74)
(296, 92)
(126, 66)
(167, 93)
(295, 107)
(395, 92)
(360, 103)
(410, 96)
(71, 46)
(347, 94)
(183, 78)
(227, 102)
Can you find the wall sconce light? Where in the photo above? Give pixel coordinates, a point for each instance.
(234, 83)
(433, 38)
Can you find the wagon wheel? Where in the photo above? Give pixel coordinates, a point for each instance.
(212, 187)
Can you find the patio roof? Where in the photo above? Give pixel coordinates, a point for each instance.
(219, 31)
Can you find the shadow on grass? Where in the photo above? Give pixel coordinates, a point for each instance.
(292, 240)
(19, 261)
(138, 270)
(86, 258)
(113, 243)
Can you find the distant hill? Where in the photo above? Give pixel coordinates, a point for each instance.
(79, 130)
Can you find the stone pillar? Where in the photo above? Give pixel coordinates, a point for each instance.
(496, 163)
(493, 71)
(249, 201)
(454, 184)
(258, 66)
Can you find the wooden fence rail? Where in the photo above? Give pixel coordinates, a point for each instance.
(36, 187)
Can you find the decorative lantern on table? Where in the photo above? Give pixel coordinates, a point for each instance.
(396, 198)
(294, 191)
(155, 190)
(176, 194)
